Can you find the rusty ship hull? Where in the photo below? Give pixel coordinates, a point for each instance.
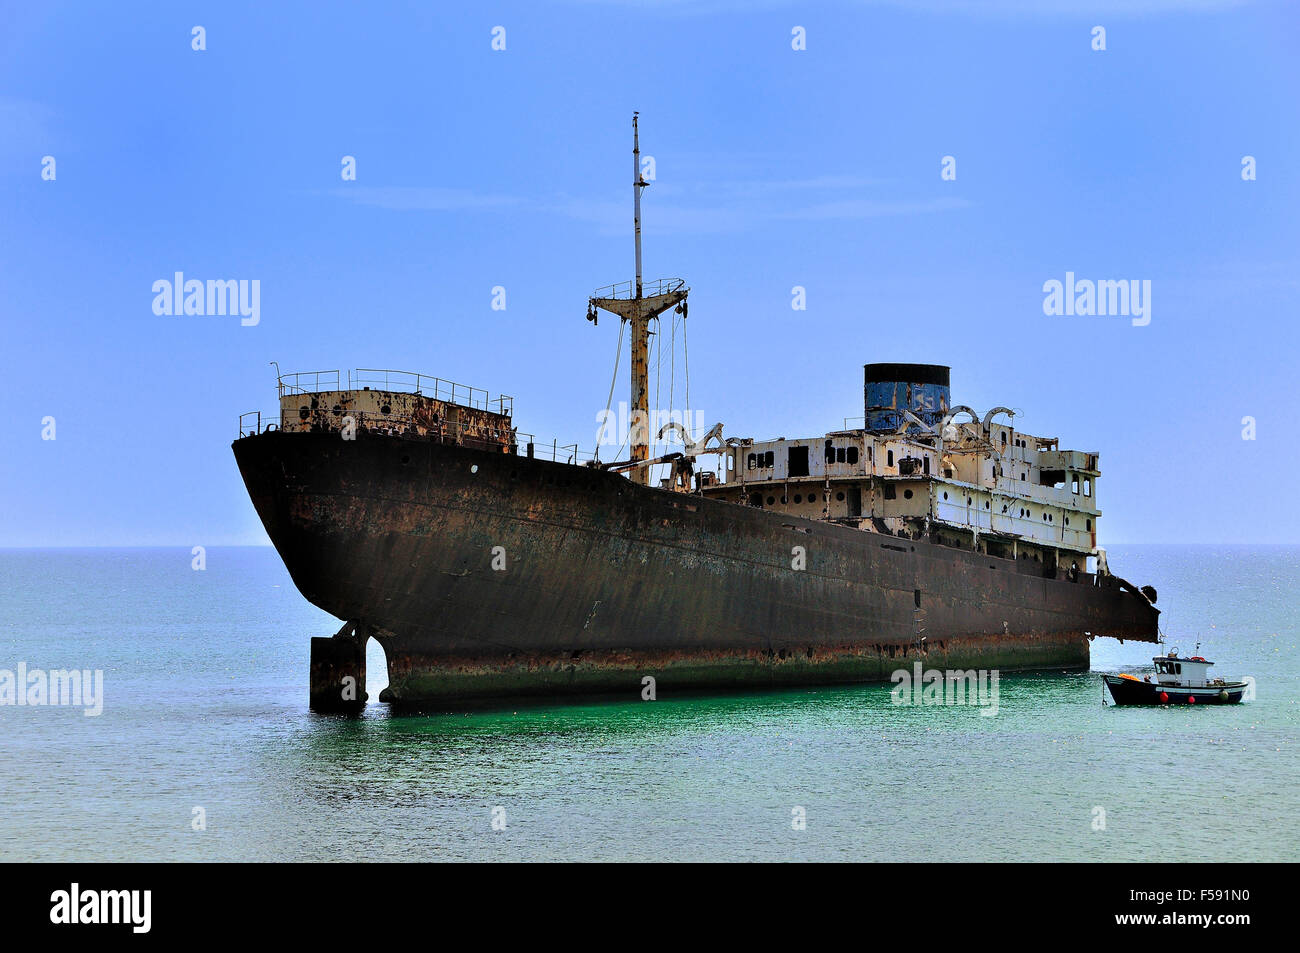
(486, 574)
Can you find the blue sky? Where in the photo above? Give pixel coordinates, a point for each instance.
(775, 168)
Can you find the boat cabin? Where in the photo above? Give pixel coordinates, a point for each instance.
(1182, 672)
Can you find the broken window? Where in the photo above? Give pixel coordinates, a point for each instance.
(890, 491)
(1087, 487)
(853, 454)
(798, 462)
(752, 458)
(890, 459)
(1052, 478)
(1074, 483)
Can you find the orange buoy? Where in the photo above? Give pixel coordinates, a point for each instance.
(1191, 699)
(1164, 698)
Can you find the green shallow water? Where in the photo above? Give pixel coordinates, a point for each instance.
(205, 685)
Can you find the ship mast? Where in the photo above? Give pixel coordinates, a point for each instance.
(632, 304)
(638, 183)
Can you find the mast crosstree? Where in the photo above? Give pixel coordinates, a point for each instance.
(637, 304)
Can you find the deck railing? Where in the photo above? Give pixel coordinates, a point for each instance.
(395, 381)
(308, 382)
(627, 289)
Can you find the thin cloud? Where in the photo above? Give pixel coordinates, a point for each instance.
(425, 198)
(973, 8)
(704, 208)
(873, 208)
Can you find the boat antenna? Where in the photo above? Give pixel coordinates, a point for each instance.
(638, 183)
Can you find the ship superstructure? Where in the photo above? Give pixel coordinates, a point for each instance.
(921, 468)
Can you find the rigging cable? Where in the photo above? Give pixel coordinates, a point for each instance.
(652, 443)
(672, 368)
(618, 355)
(687, 355)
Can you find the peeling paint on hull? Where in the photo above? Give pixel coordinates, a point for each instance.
(606, 581)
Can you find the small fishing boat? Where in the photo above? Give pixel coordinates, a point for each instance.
(1177, 681)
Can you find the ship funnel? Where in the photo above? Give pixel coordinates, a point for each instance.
(891, 389)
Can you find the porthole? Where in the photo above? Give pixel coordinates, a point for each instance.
(386, 409)
(907, 494)
(798, 498)
(473, 468)
(945, 495)
(771, 500)
(840, 497)
(784, 500)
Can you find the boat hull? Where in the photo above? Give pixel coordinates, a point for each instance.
(1127, 691)
(485, 574)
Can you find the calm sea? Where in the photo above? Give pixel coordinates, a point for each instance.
(205, 717)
